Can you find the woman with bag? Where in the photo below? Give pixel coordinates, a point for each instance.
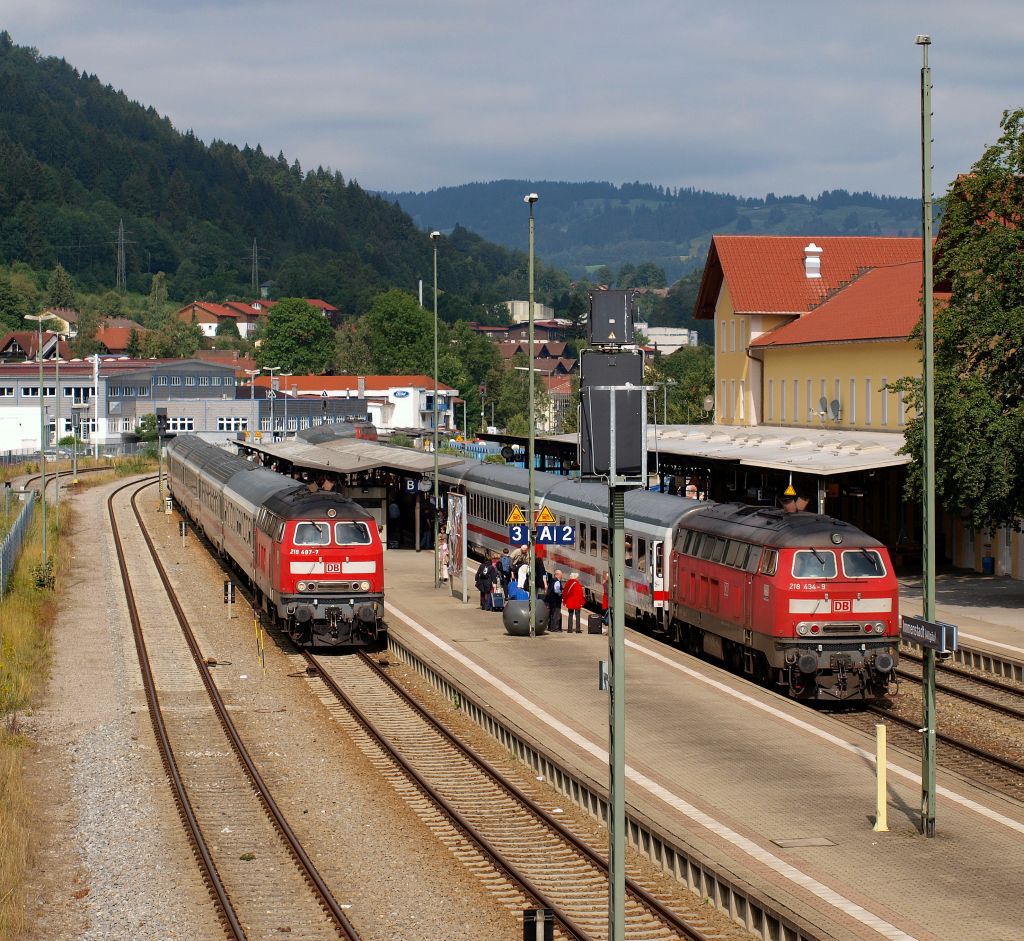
(486, 576)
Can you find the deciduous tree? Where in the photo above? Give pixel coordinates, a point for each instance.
(298, 338)
(979, 342)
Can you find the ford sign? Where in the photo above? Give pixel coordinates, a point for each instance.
(401, 393)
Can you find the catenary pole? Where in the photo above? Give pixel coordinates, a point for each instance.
(531, 198)
(434, 236)
(928, 514)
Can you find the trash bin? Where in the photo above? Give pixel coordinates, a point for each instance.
(988, 565)
(516, 618)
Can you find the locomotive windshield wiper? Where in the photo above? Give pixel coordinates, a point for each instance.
(821, 561)
(874, 560)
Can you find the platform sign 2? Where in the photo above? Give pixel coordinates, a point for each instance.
(556, 535)
(519, 535)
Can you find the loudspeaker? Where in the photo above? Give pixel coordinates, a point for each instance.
(612, 369)
(611, 318)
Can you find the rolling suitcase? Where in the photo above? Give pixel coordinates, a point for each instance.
(497, 601)
(594, 624)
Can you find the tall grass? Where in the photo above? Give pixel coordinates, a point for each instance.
(26, 616)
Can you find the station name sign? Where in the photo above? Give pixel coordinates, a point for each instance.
(936, 635)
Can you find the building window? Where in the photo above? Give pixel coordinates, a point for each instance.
(175, 380)
(796, 401)
(721, 332)
(204, 380)
(743, 393)
(142, 391)
(6, 391)
(180, 423)
(782, 400)
(215, 380)
(190, 380)
(852, 409)
(161, 380)
(885, 402)
(867, 401)
(810, 402)
(232, 423)
(732, 398)
(229, 380)
(771, 400)
(723, 407)
(32, 392)
(732, 336)
(901, 408)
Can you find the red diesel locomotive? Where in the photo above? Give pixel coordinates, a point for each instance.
(314, 559)
(795, 599)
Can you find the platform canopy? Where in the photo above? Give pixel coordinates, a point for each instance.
(352, 455)
(822, 451)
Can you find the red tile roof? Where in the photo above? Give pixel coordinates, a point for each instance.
(765, 274)
(882, 304)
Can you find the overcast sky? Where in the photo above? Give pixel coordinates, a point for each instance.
(740, 96)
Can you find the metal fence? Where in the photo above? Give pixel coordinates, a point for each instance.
(10, 548)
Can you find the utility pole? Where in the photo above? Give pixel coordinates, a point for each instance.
(255, 270)
(928, 534)
(531, 459)
(122, 280)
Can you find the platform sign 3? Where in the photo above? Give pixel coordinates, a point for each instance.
(519, 535)
(556, 535)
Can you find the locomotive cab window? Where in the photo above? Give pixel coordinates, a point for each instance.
(814, 563)
(352, 533)
(863, 563)
(312, 534)
(769, 561)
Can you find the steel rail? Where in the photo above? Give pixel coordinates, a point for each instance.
(292, 843)
(641, 895)
(1006, 763)
(1010, 689)
(193, 830)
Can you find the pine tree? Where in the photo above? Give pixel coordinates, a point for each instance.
(60, 289)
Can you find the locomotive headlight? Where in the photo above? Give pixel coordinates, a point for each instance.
(801, 628)
(880, 627)
(301, 586)
(364, 586)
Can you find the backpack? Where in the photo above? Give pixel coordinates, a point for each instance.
(505, 567)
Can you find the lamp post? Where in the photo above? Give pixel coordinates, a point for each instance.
(530, 199)
(272, 396)
(284, 429)
(434, 236)
(39, 318)
(252, 374)
(56, 421)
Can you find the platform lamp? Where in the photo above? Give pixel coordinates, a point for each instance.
(434, 237)
(252, 374)
(272, 395)
(39, 318)
(530, 199)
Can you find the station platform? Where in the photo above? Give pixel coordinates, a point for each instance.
(777, 794)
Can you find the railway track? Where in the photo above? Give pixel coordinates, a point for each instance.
(260, 879)
(1004, 697)
(521, 852)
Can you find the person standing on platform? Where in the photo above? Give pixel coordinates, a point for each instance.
(486, 576)
(572, 598)
(394, 523)
(553, 597)
(505, 569)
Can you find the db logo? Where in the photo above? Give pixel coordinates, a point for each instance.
(842, 606)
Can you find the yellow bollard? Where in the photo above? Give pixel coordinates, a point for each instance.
(881, 804)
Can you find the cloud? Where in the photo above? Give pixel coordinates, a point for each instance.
(743, 96)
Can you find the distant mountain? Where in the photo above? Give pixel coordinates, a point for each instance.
(581, 226)
(77, 157)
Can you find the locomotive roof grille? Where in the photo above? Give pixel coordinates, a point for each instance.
(300, 503)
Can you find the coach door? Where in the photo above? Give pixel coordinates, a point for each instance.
(656, 574)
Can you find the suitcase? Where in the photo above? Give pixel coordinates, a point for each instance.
(594, 624)
(497, 601)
